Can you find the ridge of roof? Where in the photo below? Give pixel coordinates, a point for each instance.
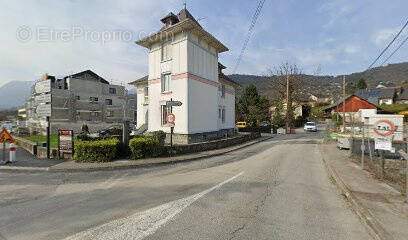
(140, 80)
(75, 75)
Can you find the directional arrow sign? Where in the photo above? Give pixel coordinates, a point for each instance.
(173, 103)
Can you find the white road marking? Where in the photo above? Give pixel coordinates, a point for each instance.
(141, 225)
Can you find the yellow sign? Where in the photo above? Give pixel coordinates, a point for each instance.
(6, 137)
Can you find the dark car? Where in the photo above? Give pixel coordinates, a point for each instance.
(111, 131)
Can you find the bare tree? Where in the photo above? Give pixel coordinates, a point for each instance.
(287, 81)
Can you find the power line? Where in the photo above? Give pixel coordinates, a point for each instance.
(403, 42)
(386, 48)
(250, 31)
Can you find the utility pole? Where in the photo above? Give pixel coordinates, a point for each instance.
(288, 104)
(344, 103)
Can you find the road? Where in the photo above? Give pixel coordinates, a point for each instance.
(277, 189)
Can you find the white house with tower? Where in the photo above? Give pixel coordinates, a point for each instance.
(184, 66)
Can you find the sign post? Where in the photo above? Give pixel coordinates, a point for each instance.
(5, 137)
(170, 118)
(384, 129)
(48, 138)
(65, 142)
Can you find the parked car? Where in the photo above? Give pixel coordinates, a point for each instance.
(111, 131)
(265, 124)
(241, 124)
(310, 126)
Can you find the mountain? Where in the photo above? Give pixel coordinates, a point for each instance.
(14, 94)
(396, 74)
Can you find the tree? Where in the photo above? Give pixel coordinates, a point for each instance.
(252, 107)
(361, 84)
(288, 81)
(277, 120)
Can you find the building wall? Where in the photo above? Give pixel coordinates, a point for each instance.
(73, 106)
(227, 103)
(142, 105)
(353, 104)
(194, 82)
(387, 101)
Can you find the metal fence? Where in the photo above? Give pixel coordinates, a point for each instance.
(389, 166)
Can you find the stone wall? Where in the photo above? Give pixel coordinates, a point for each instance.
(29, 146)
(212, 145)
(200, 137)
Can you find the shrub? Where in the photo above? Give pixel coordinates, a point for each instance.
(96, 151)
(159, 136)
(145, 147)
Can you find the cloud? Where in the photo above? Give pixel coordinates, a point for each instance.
(351, 49)
(383, 36)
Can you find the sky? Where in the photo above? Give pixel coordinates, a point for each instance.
(325, 37)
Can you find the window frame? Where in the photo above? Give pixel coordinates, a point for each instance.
(223, 90)
(112, 92)
(164, 110)
(223, 113)
(165, 83)
(108, 102)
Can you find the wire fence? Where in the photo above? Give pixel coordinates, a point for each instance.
(387, 165)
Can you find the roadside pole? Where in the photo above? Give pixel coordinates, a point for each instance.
(4, 152)
(48, 138)
(171, 138)
(125, 133)
(58, 146)
(344, 104)
(362, 150)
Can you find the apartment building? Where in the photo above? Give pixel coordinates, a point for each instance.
(77, 99)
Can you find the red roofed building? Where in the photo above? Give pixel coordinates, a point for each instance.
(352, 105)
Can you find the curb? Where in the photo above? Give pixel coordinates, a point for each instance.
(131, 166)
(374, 227)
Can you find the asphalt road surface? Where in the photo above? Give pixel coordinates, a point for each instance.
(276, 189)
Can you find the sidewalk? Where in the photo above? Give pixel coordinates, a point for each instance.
(55, 165)
(380, 207)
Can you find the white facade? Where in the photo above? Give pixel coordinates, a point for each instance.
(191, 64)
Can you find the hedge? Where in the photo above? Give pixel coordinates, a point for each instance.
(96, 151)
(143, 147)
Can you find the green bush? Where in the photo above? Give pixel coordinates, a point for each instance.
(96, 151)
(159, 136)
(145, 147)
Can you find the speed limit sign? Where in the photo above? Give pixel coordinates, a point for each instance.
(384, 128)
(170, 118)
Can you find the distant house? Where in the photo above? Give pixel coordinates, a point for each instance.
(386, 85)
(299, 110)
(402, 98)
(315, 99)
(378, 96)
(353, 104)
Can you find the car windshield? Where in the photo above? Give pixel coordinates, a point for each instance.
(310, 124)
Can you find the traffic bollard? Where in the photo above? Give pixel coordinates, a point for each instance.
(12, 153)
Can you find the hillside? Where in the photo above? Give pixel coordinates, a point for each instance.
(331, 85)
(13, 94)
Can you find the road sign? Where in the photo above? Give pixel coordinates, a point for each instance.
(43, 110)
(383, 144)
(173, 103)
(6, 137)
(43, 86)
(42, 99)
(384, 128)
(65, 143)
(170, 118)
